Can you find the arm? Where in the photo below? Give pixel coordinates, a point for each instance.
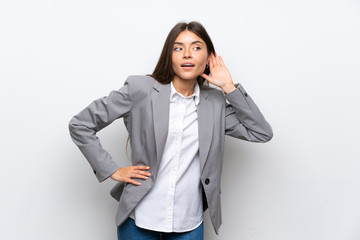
(99, 114)
(243, 118)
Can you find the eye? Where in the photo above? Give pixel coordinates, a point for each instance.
(197, 48)
(177, 49)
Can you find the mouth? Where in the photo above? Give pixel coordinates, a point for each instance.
(187, 65)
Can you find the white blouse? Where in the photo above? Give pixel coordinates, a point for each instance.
(174, 204)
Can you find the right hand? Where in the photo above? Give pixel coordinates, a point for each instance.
(128, 173)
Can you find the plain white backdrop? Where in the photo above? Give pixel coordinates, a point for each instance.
(299, 60)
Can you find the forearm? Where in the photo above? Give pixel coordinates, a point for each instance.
(244, 117)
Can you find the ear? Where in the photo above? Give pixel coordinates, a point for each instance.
(208, 59)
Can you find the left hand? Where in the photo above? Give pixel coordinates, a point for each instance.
(220, 75)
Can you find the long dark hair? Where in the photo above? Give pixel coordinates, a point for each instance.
(163, 71)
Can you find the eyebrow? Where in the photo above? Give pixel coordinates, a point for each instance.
(180, 43)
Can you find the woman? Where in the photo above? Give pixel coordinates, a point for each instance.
(177, 125)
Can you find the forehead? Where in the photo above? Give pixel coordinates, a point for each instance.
(188, 37)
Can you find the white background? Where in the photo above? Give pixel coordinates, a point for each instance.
(299, 60)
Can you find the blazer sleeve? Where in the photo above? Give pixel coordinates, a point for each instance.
(243, 118)
(84, 126)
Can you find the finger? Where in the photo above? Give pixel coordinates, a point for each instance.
(218, 62)
(134, 182)
(133, 176)
(142, 173)
(139, 176)
(205, 76)
(209, 79)
(142, 167)
(215, 61)
(221, 61)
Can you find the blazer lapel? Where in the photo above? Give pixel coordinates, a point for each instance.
(160, 103)
(205, 123)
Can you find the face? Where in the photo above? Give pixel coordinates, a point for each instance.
(189, 56)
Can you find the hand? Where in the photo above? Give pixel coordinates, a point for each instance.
(220, 75)
(126, 174)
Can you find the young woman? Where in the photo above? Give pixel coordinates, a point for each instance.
(177, 125)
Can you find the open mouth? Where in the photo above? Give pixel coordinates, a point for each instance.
(187, 65)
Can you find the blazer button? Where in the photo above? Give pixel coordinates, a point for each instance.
(95, 172)
(207, 181)
(245, 94)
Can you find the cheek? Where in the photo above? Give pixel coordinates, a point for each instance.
(203, 58)
(202, 64)
(174, 59)
(173, 63)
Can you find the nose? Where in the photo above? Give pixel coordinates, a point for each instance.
(187, 53)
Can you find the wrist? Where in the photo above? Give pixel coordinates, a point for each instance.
(113, 175)
(228, 88)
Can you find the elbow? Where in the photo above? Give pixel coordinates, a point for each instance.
(72, 126)
(265, 136)
(74, 130)
(268, 135)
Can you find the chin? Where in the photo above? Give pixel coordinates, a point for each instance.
(188, 76)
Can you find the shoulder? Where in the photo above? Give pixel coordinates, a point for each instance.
(213, 94)
(139, 86)
(140, 81)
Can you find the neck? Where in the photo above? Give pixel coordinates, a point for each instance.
(185, 87)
